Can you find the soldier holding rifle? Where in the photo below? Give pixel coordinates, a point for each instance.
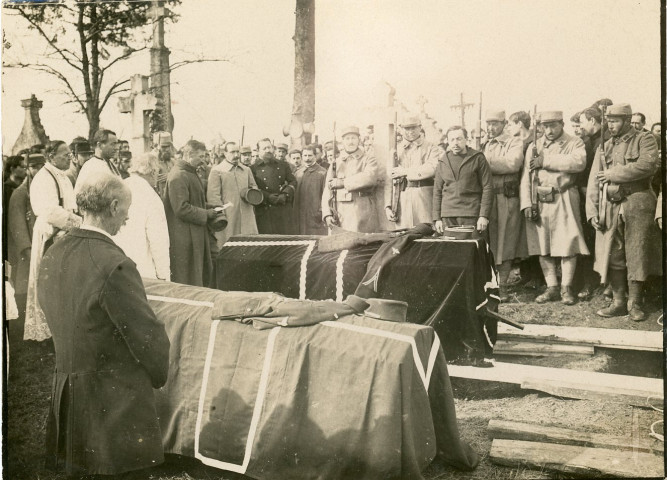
(505, 156)
(627, 244)
(417, 160)
(553, 229)
(352, 186)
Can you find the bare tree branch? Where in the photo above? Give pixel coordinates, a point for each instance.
(122, 57)
(51, 71)
(113, 90)
(182, 63)
(50, 41)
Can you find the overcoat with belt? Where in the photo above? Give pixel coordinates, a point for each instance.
(631, 161)
(111, 351)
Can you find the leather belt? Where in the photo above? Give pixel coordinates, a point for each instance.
(362, 193)
(420, 183)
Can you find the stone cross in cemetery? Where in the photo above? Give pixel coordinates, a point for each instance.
(463, 106)
(32, 132)
(139, 104)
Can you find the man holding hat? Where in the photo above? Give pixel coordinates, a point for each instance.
(274, 178)
(627, 245)
(417, 161)
(281, 151)
(354, 186)
(81, 153)
(554, 229)
(505, 156)
(229, 182)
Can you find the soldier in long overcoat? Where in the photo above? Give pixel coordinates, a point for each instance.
(354, 182)
(417, 161)
(276, 181)
(309, 190)
(505, 156)
(627, 246)
(111, 350)
(555, 231)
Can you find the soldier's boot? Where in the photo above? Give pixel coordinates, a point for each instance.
(566, 296)
(618, 306)
(635, 301)
(551, 294)
(607, 293)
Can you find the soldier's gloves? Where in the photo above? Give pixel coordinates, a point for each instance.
(282, 199)
(536, 162)
(336, 183)
(273, 198)
(211, 214)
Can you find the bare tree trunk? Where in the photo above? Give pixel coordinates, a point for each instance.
(303, 108)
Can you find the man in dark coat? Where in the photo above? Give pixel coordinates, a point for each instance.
(20, 222)
(111, 350)
(275, 179)
(308, 202)
(187, 219)
(463, 191)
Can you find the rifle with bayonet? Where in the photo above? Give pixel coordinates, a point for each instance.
(333, 198)
(398, 184)
(602, 199)
(534, 182)
(242, 133)
(478, 141)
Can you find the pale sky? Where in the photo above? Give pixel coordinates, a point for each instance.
(557, 54)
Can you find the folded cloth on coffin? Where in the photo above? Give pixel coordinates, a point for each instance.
(355, 398)
(262, 310)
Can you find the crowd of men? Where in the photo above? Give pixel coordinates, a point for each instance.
(86, 221)
(577, 215)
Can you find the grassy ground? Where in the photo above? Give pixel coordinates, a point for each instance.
(31, 367)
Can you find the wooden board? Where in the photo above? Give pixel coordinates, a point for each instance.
(597, 337)
(505, 429)
(576, 460)
(540, 349)
(584, 391)
(519, 374)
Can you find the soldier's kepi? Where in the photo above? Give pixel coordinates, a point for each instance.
(627, 249)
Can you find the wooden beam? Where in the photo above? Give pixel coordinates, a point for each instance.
(538, 349)
(569, 459)
(612, 392)
(505, 429)
(597, 337)
(518, 374)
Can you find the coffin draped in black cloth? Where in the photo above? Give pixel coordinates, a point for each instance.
(448, 284)
(354, 398)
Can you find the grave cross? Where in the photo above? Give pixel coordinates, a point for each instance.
(139, 104)
(463, 107)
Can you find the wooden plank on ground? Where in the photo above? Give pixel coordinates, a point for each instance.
(597, 337)
(518, 374)
(509, 430)
(583, 391)
(540, 349)
(584, 461)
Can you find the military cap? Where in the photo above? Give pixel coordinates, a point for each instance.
(35, 159)
(413, 121)
(282, 146)
(551, 116)
(295, 150)
(495, 115)
(619, 110)
(390, 310)
(350, 130)
(245, 149)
